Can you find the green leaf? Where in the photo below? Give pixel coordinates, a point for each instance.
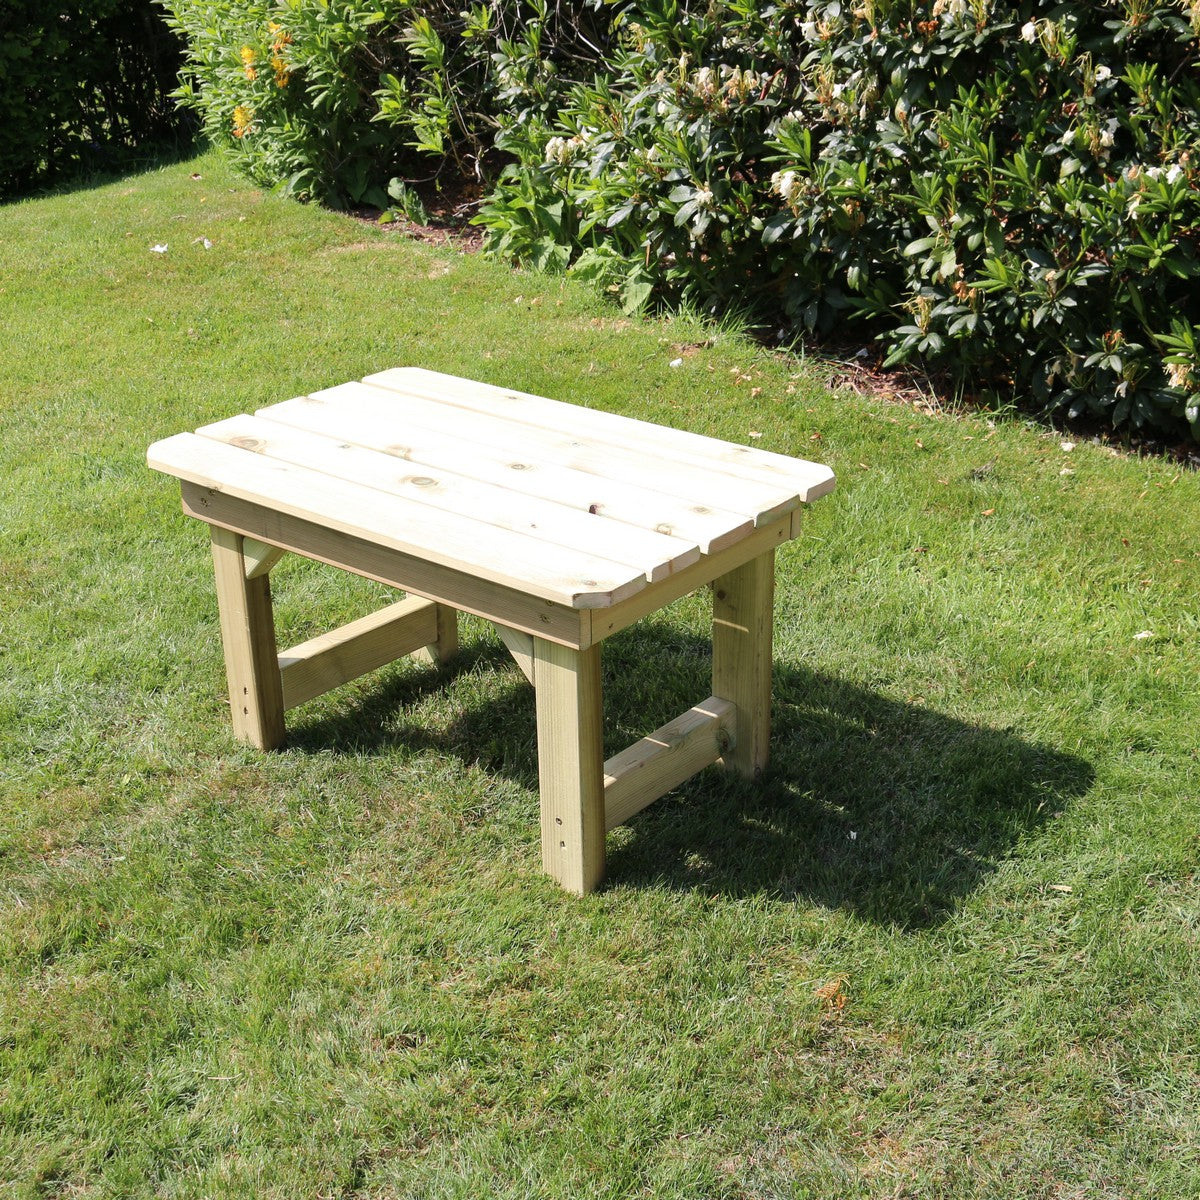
(920, 246)
(636, 291)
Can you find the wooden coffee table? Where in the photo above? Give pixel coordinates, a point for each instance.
(560, 524)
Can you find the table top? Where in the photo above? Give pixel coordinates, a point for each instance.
(574, 505)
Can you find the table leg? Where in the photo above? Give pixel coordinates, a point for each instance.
(446, 647)
(570, 763)
(248, 636)
(742, 603)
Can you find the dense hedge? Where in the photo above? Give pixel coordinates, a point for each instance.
(332, 99)
(82, 84)
(1006, 192)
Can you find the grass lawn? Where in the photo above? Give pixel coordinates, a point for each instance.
(951, 947)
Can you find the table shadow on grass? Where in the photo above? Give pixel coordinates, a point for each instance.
(892, 811)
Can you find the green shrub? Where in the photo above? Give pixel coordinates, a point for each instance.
(1006, 192)
(82, 83)
(289, 89)
(332, 99)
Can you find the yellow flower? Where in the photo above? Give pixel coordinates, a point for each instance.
(250, 72)
(249, 54)
(242, 116)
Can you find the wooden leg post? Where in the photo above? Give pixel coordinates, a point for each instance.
(446, 646)
(570, 763)
(248, 636)
(742, 602)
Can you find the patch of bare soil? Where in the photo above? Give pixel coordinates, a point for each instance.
(860, 371)
(449, 204)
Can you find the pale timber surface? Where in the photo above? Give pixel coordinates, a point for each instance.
(573, 505)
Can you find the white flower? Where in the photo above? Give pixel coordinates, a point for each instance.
(705, 83)
(1174, 173)
(1067, 138)
(1102, 73)
(786, 184)
(1029, 31)
(1179, 374)
(1131, 210)
(704, 197)
(1106, 137)
(1154, 172)
(809, 31)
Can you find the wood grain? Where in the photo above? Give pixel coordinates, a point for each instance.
(326, 662)
(664, 759)
(570, 766)
(741, 657)
(248, 638)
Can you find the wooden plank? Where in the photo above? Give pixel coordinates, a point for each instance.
(570, 767)
(512, 467)
(555, 622)
(326, 662)
(607, 621)
(650, 768)
(259, 557)
(248, 641)
(656, 555)
(520, 646)
(397, 411)
(513, 560)
(741, 662)
(749, 462)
